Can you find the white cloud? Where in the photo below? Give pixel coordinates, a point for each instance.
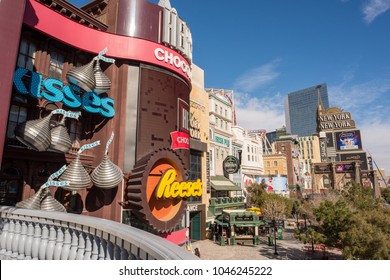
(259, 113)
(368, 103)
(376, 140)
(258, 77)
(363, 97)
(374, 8)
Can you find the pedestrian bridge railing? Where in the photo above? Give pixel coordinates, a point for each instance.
(42, 235)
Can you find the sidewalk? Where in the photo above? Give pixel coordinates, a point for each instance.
(288, 249)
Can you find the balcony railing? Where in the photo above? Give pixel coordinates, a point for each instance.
(42, 235)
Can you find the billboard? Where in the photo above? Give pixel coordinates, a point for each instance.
(341, 168)
(323, 168)
(329, 139)
(362, 157)
(274, 183)
(348, 140)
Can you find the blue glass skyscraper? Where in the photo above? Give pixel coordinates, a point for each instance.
(301, 109)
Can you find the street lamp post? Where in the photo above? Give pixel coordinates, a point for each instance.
(274, 224)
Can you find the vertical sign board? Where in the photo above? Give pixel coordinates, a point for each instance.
(208, 172)
(329, 139)
(323, 151)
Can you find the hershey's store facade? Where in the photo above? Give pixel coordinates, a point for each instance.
(146, 107)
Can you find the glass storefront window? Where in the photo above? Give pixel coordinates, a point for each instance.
(195, 170)
(56, 64)
(10, 182)
(17, 115)
(26, 57)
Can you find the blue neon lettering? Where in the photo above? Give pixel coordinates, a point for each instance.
(35, 85)
(55, 91)
(91, 102)
(107, 108)
(52, 90)
(18, 82)
(71, 99)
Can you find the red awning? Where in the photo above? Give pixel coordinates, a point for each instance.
(178, 237)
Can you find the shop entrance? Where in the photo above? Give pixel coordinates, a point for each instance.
(10, 186)
(195, 219)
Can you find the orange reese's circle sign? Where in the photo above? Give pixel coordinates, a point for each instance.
(169, 188)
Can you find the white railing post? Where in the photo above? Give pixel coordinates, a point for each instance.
(3, 237)
(88, 247)
(29, 240)
(36, 241)
(73, 245)
(81, 247)
(10, 237)
(22, 241)
(15, 241)
(44, 242)
(66, 246)
(52, 243)
(102, 249)
(59, 243)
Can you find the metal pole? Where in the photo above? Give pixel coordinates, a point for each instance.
(276, 251)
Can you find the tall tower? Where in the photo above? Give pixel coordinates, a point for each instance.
(301, 109)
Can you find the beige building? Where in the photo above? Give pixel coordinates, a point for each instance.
(275, 164)
(309, 149)
(199, 154)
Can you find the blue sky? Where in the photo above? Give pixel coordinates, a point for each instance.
(265, 49)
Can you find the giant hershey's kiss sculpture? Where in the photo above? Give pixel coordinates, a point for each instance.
(75, 173)
(90, 77)
(37, 135)
(107, 175)
(42, 199)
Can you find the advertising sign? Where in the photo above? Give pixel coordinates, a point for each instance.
(336, 120)
(348, 140)
(180, 140)
(222, 141)
(362, 157)
(168, 187)
(274, 183)
(158, 193)
(121, 47)
(33, 84)
(340, 168)
(329, 140)
(323, 168)
(194, 126)
(323, 151)
(231, 164)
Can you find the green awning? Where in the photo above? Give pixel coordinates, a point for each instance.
(221, 183)
(221, 223)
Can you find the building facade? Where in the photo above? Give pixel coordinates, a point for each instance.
(289, 146)
(145, 52)
(271, 137)
(309, 150)
(196, 213)
(340, 139)
(221, 120)
(251, 156)
(341, 152)
(301, 109)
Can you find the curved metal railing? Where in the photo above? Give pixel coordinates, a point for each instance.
(41, 235)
